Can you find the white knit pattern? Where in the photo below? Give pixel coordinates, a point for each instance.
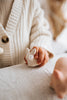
(26, 27)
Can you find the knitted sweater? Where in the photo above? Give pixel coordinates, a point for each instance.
(26, 27)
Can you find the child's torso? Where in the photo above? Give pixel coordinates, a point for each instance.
(14, 36)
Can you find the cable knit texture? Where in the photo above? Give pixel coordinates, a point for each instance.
(26, 27)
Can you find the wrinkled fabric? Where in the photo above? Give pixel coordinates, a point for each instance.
(23, 83)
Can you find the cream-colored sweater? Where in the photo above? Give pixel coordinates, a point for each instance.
(26, 27)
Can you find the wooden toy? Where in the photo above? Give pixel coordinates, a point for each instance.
(31, 62)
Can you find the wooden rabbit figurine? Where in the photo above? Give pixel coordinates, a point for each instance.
(31, 62)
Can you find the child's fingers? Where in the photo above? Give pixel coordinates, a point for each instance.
(43, 63)
(25, 60)
(40, 56)
(46, 58)
(36, 55)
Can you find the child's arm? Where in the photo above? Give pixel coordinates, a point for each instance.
(40, 34)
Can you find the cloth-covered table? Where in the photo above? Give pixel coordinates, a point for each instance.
(23, 83)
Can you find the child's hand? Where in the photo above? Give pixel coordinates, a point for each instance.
(41, 56)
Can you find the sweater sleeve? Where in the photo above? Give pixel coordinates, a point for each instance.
(40, 34)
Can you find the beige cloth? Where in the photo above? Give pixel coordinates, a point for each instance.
(23, 83)
(56, 11)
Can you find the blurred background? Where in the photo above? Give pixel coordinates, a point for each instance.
(56, 14)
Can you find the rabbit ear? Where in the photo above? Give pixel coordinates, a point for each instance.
(27, 50)
(58, 74)
(33, 51)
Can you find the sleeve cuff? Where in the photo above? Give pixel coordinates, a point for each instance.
(44, 43)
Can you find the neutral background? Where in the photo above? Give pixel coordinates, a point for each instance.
(60, 45)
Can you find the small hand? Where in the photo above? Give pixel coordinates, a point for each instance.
(41, 56)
